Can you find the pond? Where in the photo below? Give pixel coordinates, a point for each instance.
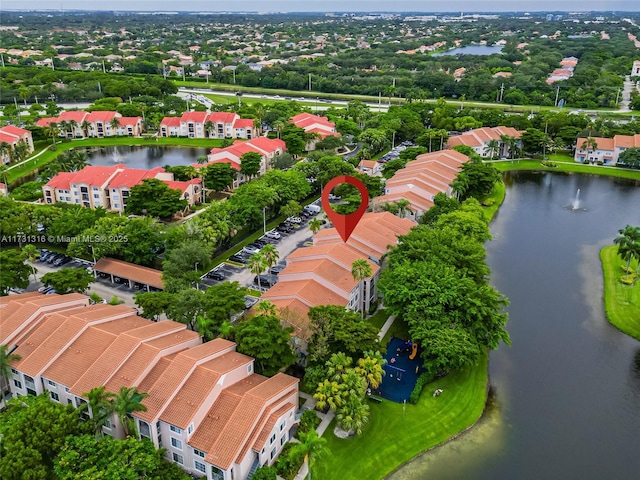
(145, 157)
(565, 396)
(471, 50)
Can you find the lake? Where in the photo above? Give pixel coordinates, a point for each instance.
(471, 50)
(145, 157)
(565, 396)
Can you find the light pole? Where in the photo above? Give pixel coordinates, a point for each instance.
(93, 254)
(197, 282)
(264, 219)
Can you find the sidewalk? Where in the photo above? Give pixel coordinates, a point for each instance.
(385, 328)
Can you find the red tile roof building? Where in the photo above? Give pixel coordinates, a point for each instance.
(12, 136)
(205, 406)
(110, 186)
(607, 150)
(81, 124)
(317, 124)
(208, 125)
(479, 139)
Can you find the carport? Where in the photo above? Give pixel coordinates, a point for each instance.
(131, 272)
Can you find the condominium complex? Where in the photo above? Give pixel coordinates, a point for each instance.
(208, 125)
(481, 140)
(208, 409)
(10, 136)
(79, 124)
(605, 151)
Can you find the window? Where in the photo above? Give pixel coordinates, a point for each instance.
(200, 466)
(198, 453)
(145, 431)
(175, 429)
(176, 443)
(178, 458)
(250, 368)
(17, 384)
(272, 439)
(96, 195)
(283, 440)
(282, 425)
(54, 396)
(52, 383)
(66, 389)
(14, 371)
(273, 453)
(190, 429)
(107, 424)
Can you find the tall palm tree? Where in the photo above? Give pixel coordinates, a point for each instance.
(101, 404)
(85, 126)
(361, 270)
(337, 365)
(266, 308)
(4, 174)
(115, 123)
(53, 131)
(589, 145)
(31, 253)
(353, 415)
(278, 126)
(311, 446)
(208, 127)
(492, 148)
(271, 255)
(6, 359)
(315, 224)
(371, 368)
(19, 152)
(328, 395)
(403, 207)
(628, 242)
(5, 148)
(257, 265)
(64, 127)
(125, 402)
(226, 330)
(73, 125)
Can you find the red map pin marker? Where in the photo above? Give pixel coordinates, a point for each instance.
(345, 223)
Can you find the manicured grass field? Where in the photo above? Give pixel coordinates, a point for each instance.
(397, 433)
(498, 194)
(621, 302)
(378, 319)
(566, 164)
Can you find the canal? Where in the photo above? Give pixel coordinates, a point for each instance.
(565, 396)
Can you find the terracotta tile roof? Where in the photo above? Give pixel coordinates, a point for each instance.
(418, 202)
(13, 130)
(170, 121)
(293, 313)
(234, 163)
(481, 136)
(192, 394)
(268, 145)
(130, 177)
(62, 181)
(223, 117)
(101, 116)
(21, 318)
(309, 292)
(368, 164)
(8, 138)
(195, 117)
(94, 175)
(602, 143)
(45, 122)
(156, 372)
(19, 298)
(336, 274)
(144, 275)
(162, 391)
(183, 186)
(341, 253)
(243, 123)
(77, 116)
(244, 419)
(271, 422)
(132, 121)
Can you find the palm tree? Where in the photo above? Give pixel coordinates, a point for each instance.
(361, 270)
(125, 402)
(628, 242)
(202, 159)
(64, 127)
(53, 131)
(337, 365)
(6, 359)
(73, 125)
(315, 224)
(403, 207)
(328, 395)
(85, 126)
(4, 173)
(492, 148)
(115, 123)
(311, 446)
(267, 309)
(208, 126)
(257, 265)
(353, 415)
(278, 126)
(371, 368)
(271, 255)
(102, 405)
(20, 151)
(5, 148)
(31, 253)
(589, 145)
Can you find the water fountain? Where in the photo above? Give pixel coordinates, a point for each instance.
(117, 158)
(575, 205)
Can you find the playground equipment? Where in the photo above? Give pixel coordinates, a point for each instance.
(414, 351)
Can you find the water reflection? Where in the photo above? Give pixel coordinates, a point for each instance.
(144, 157)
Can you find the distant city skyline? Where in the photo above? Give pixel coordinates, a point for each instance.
(329, 5)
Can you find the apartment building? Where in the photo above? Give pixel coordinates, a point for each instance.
(208, 409)
(421, 180)
(479, 139)
(208, 125)
(109, 186)
(604, 151)
(321, 274)
(10, 136)
(80, 124)
(370, 167)
(317, 124)
(268, 148)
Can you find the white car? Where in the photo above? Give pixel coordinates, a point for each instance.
(273, 234)
(297, 220)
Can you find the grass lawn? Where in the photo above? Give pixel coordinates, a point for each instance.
(621, 302)
(378, 319)
(397, 433)
(498, 194)
(566, 164)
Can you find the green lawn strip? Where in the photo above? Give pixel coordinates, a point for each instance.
(498, 195)
(621, 302)
(397, 433)
(505, 166)
(31, 165)
(378, 319)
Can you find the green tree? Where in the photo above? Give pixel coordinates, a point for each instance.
(153, 197)
(337, 365)
(6, 360)
(328, 395)
(291, 209)
(476, 179)
(315, 224)
(125, 402)
(263, 338)
(31, 253)
(270, 254)
(353, 414)
(282, 161)
(33, 430)
(629, 158)
(442, 204)
(265, 472)
(294, 138)
(187, 306)
(14, 272)
(101, 406)
(628, 242)
(391, 167)
(223, 300)
(492, 148)
(360, 271)
(250, 164)
(85, 458)
(311, 446)
(589, 145)
(257, 264)
(67, 280)
(153, 304)
(370, 367)
(219, 176)
(179, 265)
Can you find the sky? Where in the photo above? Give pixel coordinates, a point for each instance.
(328, 5)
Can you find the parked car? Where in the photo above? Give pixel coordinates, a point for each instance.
(266, 280)
(277, 269)
(285, 227)
(215, 275)
(61, 261)
(238, 258)
(251, 249)
(55, 257)
(249, 302)
(273, 234)
(312, 209)
(297, 220)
